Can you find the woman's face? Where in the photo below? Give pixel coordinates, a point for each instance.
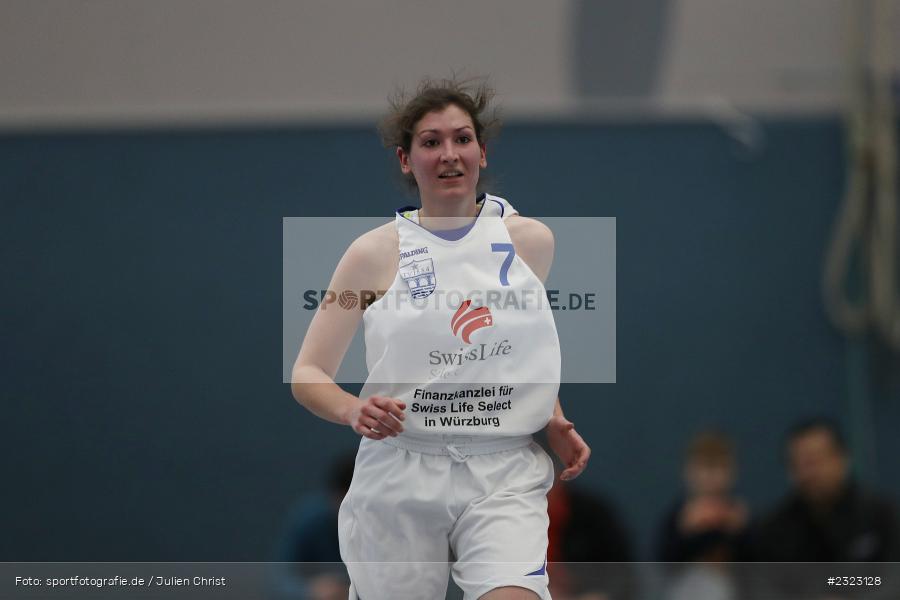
(444, 155)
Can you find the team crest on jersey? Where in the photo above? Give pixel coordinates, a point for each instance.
(419, 275)
(467, 320)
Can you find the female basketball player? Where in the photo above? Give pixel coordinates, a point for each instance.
(457, 382)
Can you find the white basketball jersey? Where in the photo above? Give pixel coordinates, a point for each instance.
(465, 335)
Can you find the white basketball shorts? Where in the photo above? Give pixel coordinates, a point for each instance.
(417, 511)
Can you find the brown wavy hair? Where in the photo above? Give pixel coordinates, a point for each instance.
(474, 95)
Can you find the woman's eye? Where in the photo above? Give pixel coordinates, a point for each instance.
(429, 143)
(464, 139)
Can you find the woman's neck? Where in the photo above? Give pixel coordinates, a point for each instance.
(443, 215)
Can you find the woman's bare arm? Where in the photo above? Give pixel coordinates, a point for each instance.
(370, 263)
(534, 244)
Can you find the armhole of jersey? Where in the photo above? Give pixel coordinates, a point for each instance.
(388, 291)
(530, 271)
(396, 274)
(518, 258)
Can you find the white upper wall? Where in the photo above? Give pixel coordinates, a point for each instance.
(265, 59)
(193, 61)
(764, 54)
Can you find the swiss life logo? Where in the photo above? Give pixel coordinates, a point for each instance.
(468, 320)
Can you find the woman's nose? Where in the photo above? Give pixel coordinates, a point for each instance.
(448, 153)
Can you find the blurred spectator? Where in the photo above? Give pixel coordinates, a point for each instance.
(309, 557)
(827, 516)
(586, 530)
(707, 526)
(709, 523)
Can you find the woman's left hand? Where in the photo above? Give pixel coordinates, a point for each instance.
(571, 449)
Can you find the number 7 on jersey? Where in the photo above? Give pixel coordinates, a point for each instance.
(504, 268)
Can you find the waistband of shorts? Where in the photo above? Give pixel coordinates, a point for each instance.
(459, 446)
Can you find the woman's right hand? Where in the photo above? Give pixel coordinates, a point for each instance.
(378, 417)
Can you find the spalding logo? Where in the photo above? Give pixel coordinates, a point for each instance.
(470, 321)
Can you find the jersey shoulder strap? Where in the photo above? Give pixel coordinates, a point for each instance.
(506, 209)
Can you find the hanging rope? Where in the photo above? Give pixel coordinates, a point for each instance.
(865, 233)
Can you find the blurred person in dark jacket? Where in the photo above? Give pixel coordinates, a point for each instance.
(827, 521)
(827, 516)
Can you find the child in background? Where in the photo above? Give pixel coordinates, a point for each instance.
(708, 526)
(709, 523)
